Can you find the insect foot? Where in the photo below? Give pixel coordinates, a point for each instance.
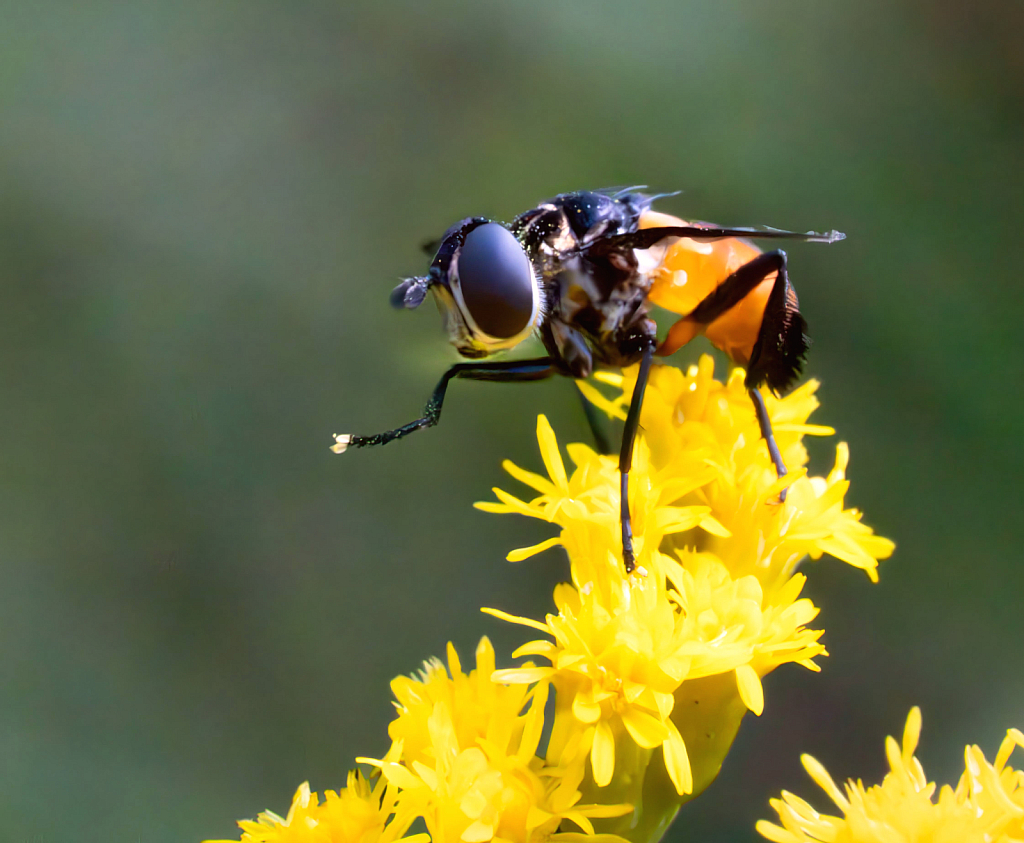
(341, 442)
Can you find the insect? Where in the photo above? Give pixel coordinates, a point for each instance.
(582, 270)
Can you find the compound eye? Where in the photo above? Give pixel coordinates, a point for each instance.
(497, 282)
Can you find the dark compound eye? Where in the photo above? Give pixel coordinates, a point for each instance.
(497, 281)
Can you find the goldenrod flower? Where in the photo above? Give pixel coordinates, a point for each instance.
(483, 707)
(716, 592)
(465, 760)
(987, 805)
(730, 626)
(586, 506)
(618, 667)
(358, 814)
(650, 673)
(691, 417)
(615, 669)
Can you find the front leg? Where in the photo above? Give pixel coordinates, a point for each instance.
(626, 455)
(504, 371)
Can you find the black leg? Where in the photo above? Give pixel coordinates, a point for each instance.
(503, 371)
(768, 435)
(737, 286)
(778, 354)
(594, 419)
(724, 297)
(626, 455)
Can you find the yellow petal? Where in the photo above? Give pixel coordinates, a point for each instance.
(711, 525)
(611, 378)
(777, 834)
(611, 408)
(585, 710)
(602, 754)
(581, 821)
(399, 776)
(534, 725)
(912, 732)
(428, 775)
(521, 675)
(677, 760)
(751, 691)
(824, 780)
(528, 478)
(526, 552)
(535, 648)
(478, 832)
(505, 616)
(454, 665)
(648, 731)
(549, 453)
(604, 811)
(495, 508)
(516, 505)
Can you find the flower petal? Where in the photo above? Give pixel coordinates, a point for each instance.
(549, 453)
(602, 754)
(677, 760)
(751, 690)
(647, 730)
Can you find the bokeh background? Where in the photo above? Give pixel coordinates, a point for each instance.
(203, 207)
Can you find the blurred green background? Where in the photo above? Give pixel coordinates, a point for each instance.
(203, 208)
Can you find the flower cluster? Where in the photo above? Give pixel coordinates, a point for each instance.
(359, 813)
(464, 755)
(987, 805)
(640, 680)
(716, 596)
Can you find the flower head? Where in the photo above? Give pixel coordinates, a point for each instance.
(586, 507)
(358, 813)
(485, 712)
(987, 805)
(716, 548)
(465, 759)
(693, 417)
(645, 676)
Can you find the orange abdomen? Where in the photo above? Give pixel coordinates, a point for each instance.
(692, 270)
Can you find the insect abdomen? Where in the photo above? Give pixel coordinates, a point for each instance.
(689, 272)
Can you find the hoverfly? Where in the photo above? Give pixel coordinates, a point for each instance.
(582, 270)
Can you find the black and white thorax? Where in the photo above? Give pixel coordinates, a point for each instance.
(595, 292)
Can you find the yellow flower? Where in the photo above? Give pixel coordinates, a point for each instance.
(702, 479)
(465, 760)
(650, 673)
(694, 417)
(731, 627)
(487, 712)
(614, 671)
(617, 668)
(987, 805)
(358, 814)
(586, 506)
(716, 593)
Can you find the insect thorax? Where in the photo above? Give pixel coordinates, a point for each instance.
(596, 298)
